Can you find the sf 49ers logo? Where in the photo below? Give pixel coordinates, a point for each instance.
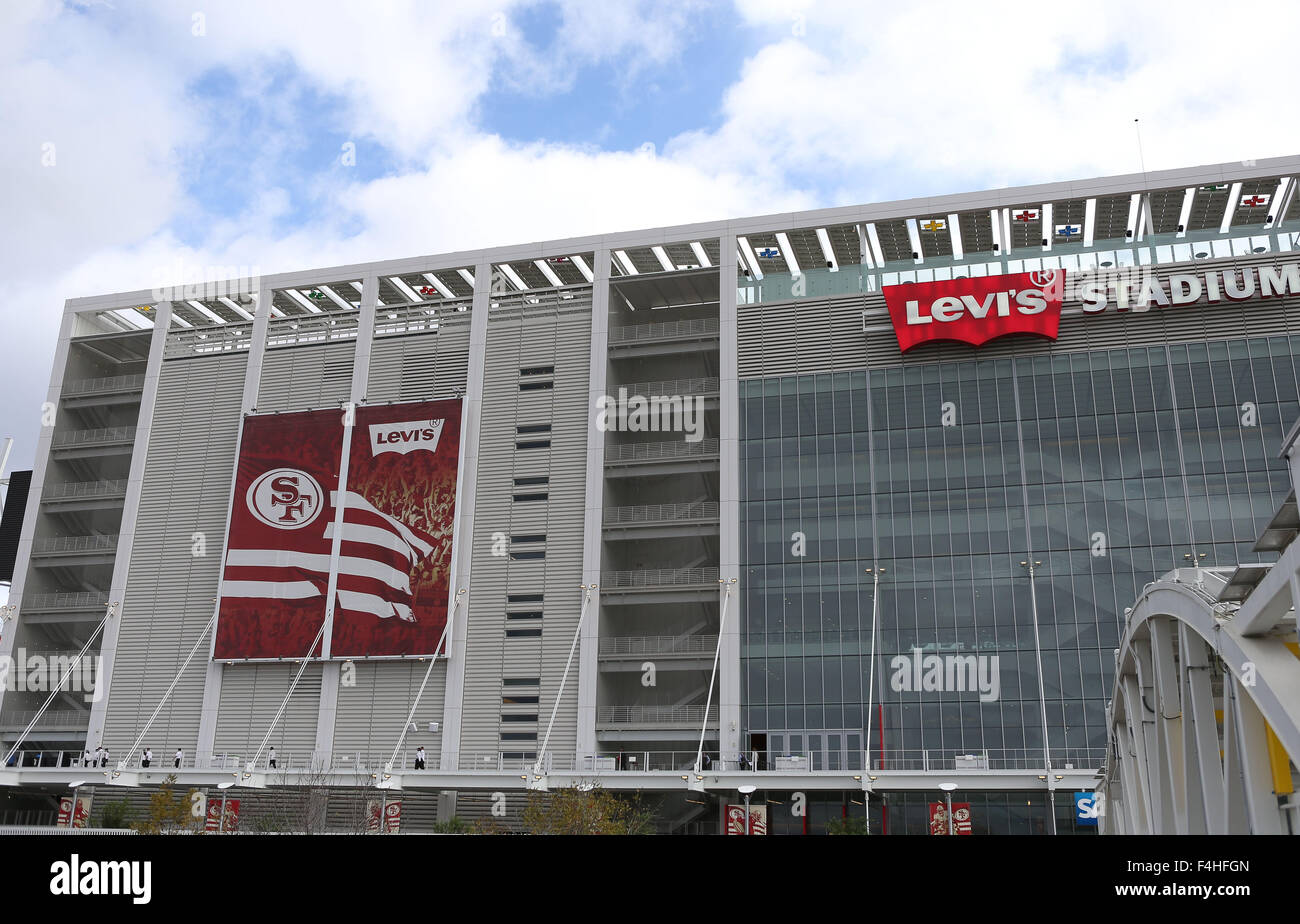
(285, 498)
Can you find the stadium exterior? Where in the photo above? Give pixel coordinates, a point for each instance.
(687, 449)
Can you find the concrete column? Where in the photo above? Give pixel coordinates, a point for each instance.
(130, 512)
(331, 670)
(588, 656)
(463, 528)
(729, 665)
(248, 403)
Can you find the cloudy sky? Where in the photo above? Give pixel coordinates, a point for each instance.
(141, 135)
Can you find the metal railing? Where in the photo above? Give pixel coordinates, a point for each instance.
(106, 385)
(84, 489)
(365, 763)
(633, 333)
(653, 715)
(658, 513)
(100, 437)
(638, 645)
(75, 544)
(48, 718)
(665, 449)
(658, 577)
(1065, 759)
(706, 386)
(62, 601)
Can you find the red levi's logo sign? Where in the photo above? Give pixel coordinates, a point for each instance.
(977, 309)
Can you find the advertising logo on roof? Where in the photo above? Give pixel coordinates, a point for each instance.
(978, 309)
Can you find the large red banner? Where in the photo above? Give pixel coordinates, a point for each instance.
(976, 310)
(961, 820)
(74, 812)
(216, 821)
(393, 531)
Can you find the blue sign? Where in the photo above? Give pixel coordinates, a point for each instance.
(1087, 806)
(769, 253)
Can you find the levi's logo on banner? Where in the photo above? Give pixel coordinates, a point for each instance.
(976, 309)
(405, 437)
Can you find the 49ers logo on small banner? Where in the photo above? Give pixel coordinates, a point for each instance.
(977, 309)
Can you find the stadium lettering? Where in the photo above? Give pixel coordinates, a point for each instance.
(1137, 289)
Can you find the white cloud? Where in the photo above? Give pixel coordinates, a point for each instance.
(945, 95)
(839, 102)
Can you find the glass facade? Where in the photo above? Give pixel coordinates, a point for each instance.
(1099, 470)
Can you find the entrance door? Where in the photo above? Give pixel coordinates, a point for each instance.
(814, 749)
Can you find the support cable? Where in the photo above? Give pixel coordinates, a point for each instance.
(406, 727)
(284, 704)
(577, 634)
(717, 654)
(135, 745)
(58, 687)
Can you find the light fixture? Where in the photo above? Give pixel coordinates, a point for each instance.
(948, 787)
(747, 790)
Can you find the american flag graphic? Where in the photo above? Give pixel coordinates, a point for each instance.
(377, 554)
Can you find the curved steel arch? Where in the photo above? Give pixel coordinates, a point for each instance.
(1186, 662)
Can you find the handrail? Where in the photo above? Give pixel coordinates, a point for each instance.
(83, 489)
(76, 544)
(657, 644)
(699, 510)
(99, 435)
(701, 386)
(87, 598)
(109, 383)
(656, 577)
(1084, 760)
(653, 715)
(632, 333)
(663, 449)
(49, 717)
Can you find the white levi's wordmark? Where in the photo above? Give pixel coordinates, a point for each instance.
(405, 436)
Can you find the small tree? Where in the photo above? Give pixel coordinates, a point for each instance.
(451, 826)
(851, 825)
(114, 815)
(586, 809)
(170, 815)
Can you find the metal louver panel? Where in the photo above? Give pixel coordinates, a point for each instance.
(826, 335)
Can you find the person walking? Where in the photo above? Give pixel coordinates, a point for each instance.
(146, 758)
(419, 758)
(180, 756)
(271, 759)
